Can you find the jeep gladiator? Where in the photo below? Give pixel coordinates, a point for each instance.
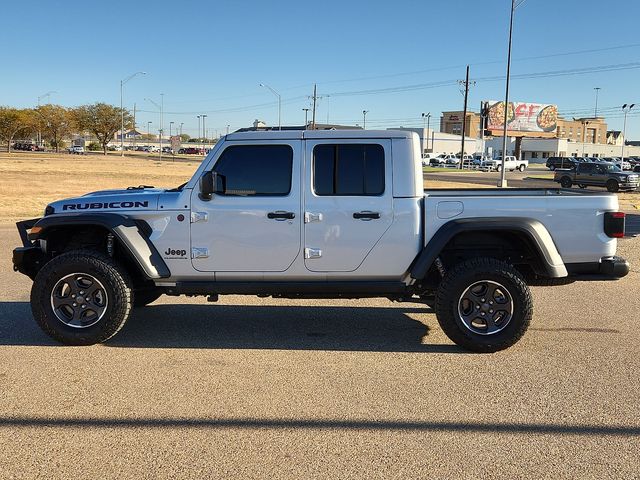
(321, 214)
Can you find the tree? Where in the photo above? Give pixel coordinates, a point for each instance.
(102, 120)
(54, 122)
(184, 137)
(14, 122)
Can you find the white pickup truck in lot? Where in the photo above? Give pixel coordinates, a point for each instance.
(322, 214)
(511, 163)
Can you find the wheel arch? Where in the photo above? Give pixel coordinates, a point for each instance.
(131, 235)
(524, 234)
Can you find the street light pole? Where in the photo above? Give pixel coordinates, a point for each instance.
(48, 95)
(228, 129)
(503, 178)
(279, 103)
(122, 82)
(626, 109)
(426, 117)
(170, 125)
(306, 117)
(204, 135)
(364, 119)
(595, 113)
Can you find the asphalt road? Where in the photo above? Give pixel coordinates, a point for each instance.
(261, 388)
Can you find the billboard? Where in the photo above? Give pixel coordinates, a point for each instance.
(522, 117)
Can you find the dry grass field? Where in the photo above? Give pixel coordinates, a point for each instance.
(28, 181)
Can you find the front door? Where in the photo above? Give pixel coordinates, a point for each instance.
(348, 202)
(252, 223)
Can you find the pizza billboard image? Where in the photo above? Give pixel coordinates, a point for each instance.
(523, 117)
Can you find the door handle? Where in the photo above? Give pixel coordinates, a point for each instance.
(281, 215)
(366, 215)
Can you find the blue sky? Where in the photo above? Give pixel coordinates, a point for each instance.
(209, 57)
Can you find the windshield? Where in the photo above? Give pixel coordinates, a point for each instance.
(611, 169)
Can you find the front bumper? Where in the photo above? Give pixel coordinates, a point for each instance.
(29, 258)
(608, 268)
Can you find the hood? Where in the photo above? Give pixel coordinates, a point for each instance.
(109, 200)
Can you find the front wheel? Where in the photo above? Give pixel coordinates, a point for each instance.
(521, 168)
(81, 297)
(612, 186)
(484, 305)
(566, 182)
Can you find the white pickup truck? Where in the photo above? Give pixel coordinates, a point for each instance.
(511, 163)
(322, 214)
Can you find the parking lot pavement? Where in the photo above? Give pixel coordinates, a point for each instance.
(263, 388)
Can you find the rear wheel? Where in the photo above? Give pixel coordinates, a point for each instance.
(613, 186)
(566, 182)
(484, 305)
(81, 297)
(521, 167)
(499, 168)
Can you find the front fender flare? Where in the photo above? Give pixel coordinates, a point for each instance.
(131, 233)
(533, 229)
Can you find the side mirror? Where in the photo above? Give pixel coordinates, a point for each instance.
(208, 185)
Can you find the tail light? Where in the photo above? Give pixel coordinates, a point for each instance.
(614, 224)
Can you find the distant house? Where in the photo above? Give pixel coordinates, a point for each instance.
(615, 137)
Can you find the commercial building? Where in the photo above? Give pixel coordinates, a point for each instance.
(451, 122)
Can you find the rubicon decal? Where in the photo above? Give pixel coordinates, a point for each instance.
(99, 205)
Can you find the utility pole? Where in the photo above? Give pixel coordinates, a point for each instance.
(364, 119)
(134, 126)
(306, 113)
(161, 121)
(198, 126)
(328, 97)
(595, 113)
(315, 97)
(464, 116)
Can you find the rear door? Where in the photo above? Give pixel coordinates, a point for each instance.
(252, 224)
(348, 201)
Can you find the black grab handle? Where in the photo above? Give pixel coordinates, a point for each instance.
(281, 215)
(368, 215)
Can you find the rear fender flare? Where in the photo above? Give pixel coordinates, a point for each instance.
(534, 230)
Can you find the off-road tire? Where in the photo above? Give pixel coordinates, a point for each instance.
(143, 297)
(612, 186)
(114, 279)
(465, 274)
(566, 182)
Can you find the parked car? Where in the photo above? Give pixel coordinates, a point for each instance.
(437, 161)
(606, 175)
(76, 150)
(478, 160)
(451, 159)
(511, 163)
(560, 162)
(429, 158)
(167, 150)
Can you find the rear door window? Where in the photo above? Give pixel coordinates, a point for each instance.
(348, 169)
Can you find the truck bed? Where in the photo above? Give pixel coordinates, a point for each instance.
(562, 211)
